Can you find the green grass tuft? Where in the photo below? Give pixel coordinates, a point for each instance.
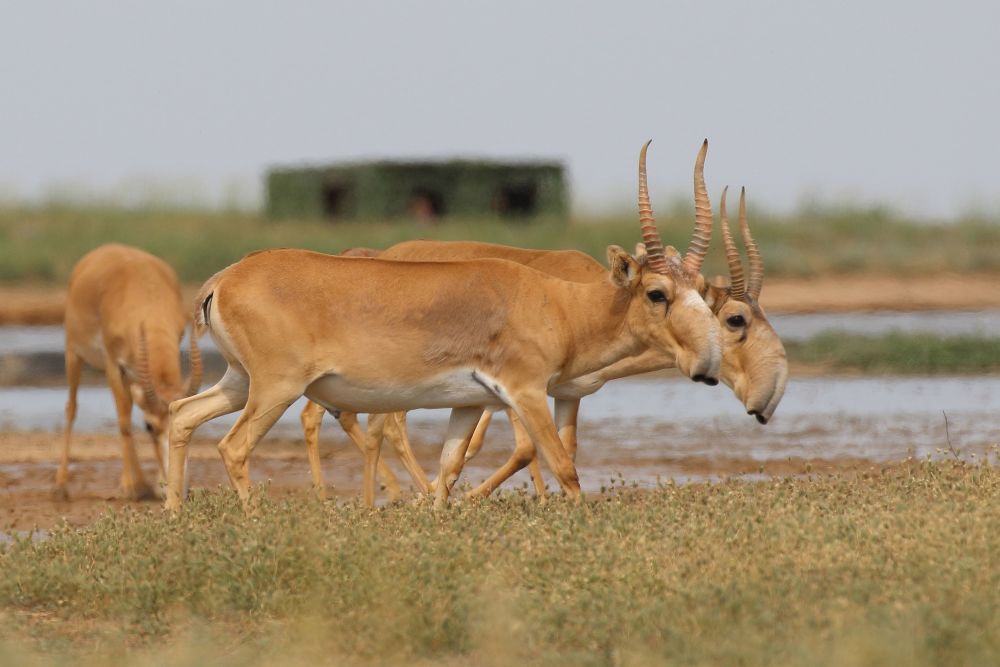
(899, 352)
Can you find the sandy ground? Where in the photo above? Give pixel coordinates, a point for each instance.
(44, 304)
(28, 465)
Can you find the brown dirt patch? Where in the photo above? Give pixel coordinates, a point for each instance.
(946, 291)
(28, 465)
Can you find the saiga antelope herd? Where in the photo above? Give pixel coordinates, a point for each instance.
(468, 326)
(753, 358)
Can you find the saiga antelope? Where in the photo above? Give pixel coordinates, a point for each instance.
(370, 335)
(754, 363)
(124, 315)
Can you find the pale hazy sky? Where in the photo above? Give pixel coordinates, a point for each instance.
(892, 101)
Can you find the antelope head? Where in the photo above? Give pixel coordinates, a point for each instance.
(753, 358)
(154, 401)
(668, 310)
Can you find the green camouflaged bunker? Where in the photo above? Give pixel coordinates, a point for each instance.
(423, 190)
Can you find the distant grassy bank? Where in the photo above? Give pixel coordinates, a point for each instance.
(898, 352)
(42, 244)
(895, 566)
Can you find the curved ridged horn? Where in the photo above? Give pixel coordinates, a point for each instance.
(756, 280)
(153, 401)
(650, 236)
(702, 234)
(194, 380)
(736, 285)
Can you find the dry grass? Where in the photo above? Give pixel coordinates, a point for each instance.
(895, 565)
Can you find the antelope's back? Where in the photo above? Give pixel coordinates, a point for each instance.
(294, 304)
(115, 283)
(571, 265)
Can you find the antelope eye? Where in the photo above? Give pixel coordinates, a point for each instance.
(149, 427)
(736, 321)
(656, 296)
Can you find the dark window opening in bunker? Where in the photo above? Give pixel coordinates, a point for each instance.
(334, 200)
(425, 204)
(517, 200)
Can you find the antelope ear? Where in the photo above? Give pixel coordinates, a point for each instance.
(640, 251)
(715, 293)
(624, 268)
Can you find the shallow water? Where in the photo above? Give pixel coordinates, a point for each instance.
(654, 427)
(652, 421)
(943, 323)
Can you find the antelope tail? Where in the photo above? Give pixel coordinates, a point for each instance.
(203, 305)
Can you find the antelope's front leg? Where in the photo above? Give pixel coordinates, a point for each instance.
(460, 427)
(133, 483)
(395, 431)
(524, 454)
(533, 409)
(312, 418)
(567, 416)
(367, 442)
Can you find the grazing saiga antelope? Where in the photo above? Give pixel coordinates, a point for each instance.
(124, 314)
(754, 363)
(371, 335)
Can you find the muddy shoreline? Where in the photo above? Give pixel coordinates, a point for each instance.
(28, 464)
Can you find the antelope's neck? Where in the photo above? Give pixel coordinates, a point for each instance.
(647, 361)
(598, 329)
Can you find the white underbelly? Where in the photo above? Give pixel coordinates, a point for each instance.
(457, 388)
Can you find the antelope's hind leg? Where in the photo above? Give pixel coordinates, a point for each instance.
(73, 380)
(228, 395)
(263, 408)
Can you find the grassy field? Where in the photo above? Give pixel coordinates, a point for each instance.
(42, 244)
(898, 353)
(896, 565)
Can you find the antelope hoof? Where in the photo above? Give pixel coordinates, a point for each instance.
(60, 493)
